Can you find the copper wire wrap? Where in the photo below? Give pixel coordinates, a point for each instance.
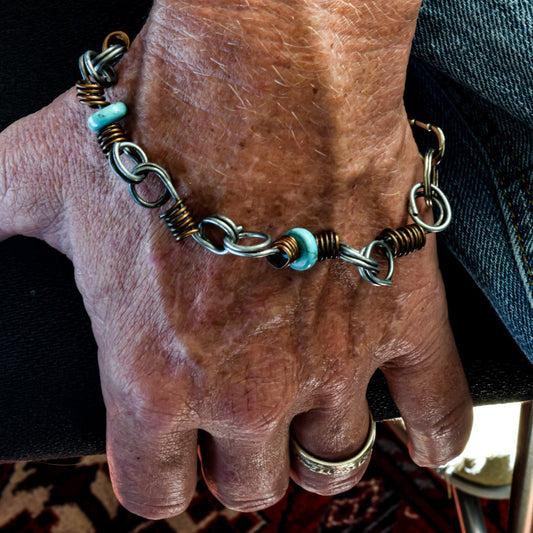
(289, 252)
(328, 245)
(109, 135)
(91, 94)
(180, 221)
(405, 240)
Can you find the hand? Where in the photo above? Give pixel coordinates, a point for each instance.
(277, 115)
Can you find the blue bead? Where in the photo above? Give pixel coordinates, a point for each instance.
(308, 248)
(107, 115)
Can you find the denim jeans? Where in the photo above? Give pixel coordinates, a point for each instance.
(472, 74)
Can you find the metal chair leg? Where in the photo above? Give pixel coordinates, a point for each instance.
(521, 505)
(469, 512)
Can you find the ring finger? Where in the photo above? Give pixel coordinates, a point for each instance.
(331, 446)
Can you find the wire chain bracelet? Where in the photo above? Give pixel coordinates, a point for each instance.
(299, 248)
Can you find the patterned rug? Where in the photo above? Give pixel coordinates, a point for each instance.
(394, 496)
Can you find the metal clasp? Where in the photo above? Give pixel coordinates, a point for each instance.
(440, 137)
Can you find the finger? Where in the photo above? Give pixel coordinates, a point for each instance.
(247, 474)
(153, 469)
(151, 426)
(431, 392)
(151, 421)
(334, 434)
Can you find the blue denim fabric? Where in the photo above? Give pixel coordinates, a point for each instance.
(472, 74)
(485, 45)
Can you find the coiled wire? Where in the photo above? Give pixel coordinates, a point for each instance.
(180, 221)
(405, 240)
(289, 251)
(91, 94)
(109, 135)
(328, 245)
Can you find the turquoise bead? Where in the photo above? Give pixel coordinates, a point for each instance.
(308, 248)
(107, 115)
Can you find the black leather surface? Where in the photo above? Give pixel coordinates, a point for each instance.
(50, 400)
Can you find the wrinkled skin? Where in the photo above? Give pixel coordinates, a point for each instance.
(277, 114)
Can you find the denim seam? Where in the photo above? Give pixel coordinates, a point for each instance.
(522, 177)
(515, 220)
(506, 197)
(502, 182)
(488, 151)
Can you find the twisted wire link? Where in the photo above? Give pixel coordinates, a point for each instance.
(222, 222)
(437, 132)
(368, 274)
(87, 65)
(405, 240)
(134, 153)
(143, 170)
(353, 256)
(442, 221)
(100, 67)
(233, 234)
(262, 249)
(431, 175)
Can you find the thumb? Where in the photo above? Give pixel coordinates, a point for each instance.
(37, 156)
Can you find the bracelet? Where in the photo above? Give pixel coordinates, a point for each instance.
(298, 249)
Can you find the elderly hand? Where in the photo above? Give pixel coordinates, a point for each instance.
(279, 115)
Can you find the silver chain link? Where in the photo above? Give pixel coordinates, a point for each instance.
(353, 256)
(368, 274)
(135, 153)
(439, 199)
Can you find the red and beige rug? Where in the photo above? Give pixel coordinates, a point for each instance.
(394, 496)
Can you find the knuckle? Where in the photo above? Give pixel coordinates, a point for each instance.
(254, 407)
(243, 487)
(147, 491)
(153, 511)
(259, 417)
(444, 437)
(258, 503)
(145, 400)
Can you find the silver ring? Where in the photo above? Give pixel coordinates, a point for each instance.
(439, 198)
(331, 468)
